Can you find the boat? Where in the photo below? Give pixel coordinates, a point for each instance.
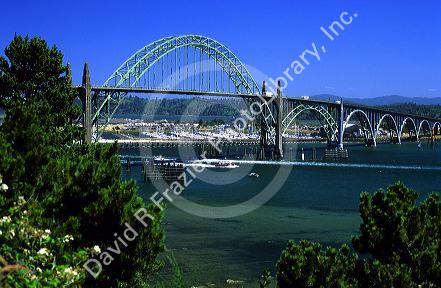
(254, 174)
(199, 163)
(225, 164)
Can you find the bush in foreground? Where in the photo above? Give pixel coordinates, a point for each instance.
(399, 246)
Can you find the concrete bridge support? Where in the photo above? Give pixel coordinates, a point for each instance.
(340, 121)
(271, 143)
(86, 99)
(279, 120)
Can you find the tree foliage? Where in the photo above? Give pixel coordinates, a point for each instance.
(76, 188)
(433, 111)
(396, 231)
(41, 259)
(306, 265)
(34, 74)
(398, 246)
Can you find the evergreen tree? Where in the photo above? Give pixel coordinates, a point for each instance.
(398, 246)
(77, 188)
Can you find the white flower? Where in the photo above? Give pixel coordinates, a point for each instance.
(21, 200)
(39, 270)
(96, 249)
(47, 231)
(67, 238)
(43, 251)
(5, 219)
(70, 271)
(4, 187)
(12, 232)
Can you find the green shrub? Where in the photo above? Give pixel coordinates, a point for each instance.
(40, 259)
(398, 246)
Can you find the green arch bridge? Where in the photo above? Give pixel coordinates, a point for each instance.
(200, 66)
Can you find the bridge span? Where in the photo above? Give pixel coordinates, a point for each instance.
(200, 66)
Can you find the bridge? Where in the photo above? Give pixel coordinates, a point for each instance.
(201, 66)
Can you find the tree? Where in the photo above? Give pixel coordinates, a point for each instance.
(398, 246)
(396, 231)
(77, 188)
(306, 265)
(90, 202)
(38, 99)
(35, 74)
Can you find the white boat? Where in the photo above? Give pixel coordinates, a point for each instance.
(254, 174)
(199, 163)
(225, 164)
(213, 163)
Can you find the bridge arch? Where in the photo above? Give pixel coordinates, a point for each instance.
(425, 125)
(408, 120)
(436, 128)
(362, 116)
(326, 119)
(130, 73)
(391, 120)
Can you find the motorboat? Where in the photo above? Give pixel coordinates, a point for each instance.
(254, 174)
(225, 164)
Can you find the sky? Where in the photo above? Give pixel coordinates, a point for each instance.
(390, 47)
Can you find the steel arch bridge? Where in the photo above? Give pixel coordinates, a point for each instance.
(178, 65)
(200, 66)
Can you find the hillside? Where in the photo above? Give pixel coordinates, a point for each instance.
(381, 101)
(135, 107)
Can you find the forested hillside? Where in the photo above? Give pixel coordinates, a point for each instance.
(433, 111)
(136, 106)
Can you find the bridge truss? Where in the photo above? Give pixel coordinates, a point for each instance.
(200, 66)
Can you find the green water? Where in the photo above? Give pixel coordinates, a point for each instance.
(315, 202)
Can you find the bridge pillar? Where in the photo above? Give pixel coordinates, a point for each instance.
(263, 131)
(69, 73)
(268, 145)
(86, 99)
(340, 125)
(279, 120)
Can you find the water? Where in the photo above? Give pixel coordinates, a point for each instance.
(318, 202)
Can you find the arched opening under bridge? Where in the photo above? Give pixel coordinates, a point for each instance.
(366, 131)
(324, 121)
(408, 130)
(387, 128)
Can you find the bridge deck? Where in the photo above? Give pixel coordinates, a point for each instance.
(249, 96)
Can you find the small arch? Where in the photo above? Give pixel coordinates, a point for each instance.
(370, 129)
(403, 124)
(328, 123)
(427, 128)
(436, 128)
(394, 126)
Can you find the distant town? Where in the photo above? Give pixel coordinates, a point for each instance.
(143, 130)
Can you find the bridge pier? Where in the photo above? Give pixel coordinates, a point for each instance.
(86, 99)
(272, 143)
(340, 131)
(279, 120)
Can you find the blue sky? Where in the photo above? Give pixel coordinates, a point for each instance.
(392, 47)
